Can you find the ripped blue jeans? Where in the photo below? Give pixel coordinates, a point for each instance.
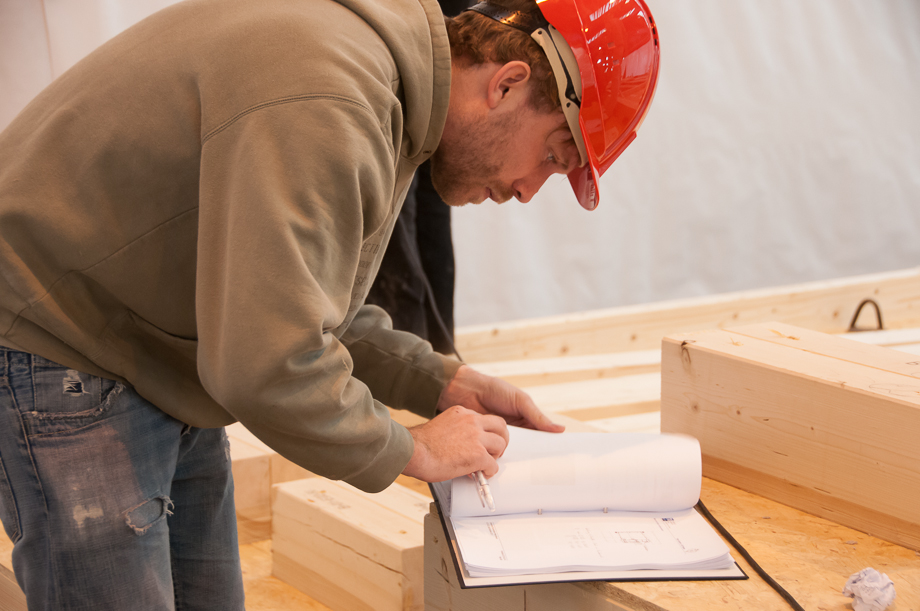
(111, 503)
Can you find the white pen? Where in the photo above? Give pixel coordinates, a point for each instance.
(485, 494)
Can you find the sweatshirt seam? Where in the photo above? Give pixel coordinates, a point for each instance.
(286, 100)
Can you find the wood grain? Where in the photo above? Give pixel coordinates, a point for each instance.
(347, 548)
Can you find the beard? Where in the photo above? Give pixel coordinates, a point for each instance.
(468, 160)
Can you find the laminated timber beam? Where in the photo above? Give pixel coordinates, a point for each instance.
(818, 422)
(825, 306)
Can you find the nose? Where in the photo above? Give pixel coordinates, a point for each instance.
(525, 188)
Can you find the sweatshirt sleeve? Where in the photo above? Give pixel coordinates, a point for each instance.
(289, 192)
(401, 370)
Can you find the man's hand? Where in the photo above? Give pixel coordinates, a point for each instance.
(457, 442)
(487, 395)
(471, 432)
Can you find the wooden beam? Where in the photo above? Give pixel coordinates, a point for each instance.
(348, 549)
(282, 469)
(251, 480)
(572, 425)
(825, 306)
(256, 467)
(819, 422)
(341, 578)
(888, 337)
(598, 399)
(267, 593)
(908, 348)
(11, 596)
(537, 372)
(635, 423)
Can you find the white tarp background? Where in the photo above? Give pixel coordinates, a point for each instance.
(783, 146)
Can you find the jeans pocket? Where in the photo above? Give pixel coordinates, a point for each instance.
(65, 399)
(9, 512)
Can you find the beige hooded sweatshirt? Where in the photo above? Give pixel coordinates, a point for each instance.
(199, 207)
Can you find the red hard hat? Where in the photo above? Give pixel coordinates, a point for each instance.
(604, 55)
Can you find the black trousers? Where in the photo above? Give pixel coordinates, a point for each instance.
(415, 284)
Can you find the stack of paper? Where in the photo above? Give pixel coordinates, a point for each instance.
(592, 502)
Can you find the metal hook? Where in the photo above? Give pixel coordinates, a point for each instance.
(878, 316)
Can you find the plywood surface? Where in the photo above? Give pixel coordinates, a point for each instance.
(267, 593)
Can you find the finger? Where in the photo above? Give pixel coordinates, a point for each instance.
(490, 467)
(494, 444)
(536, 419)
(498, 426)
(542, 422)
(494, 424)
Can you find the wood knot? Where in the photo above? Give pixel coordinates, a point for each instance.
(685, 353)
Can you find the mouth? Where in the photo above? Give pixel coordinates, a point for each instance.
(497, 197)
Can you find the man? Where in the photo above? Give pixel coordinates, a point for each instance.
(189, 221)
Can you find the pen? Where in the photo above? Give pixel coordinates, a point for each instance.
(485, 494)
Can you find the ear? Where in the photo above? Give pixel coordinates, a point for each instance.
(508, 82)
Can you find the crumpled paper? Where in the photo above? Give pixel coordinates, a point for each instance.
(871, 590)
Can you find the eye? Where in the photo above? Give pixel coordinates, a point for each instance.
(556, 161)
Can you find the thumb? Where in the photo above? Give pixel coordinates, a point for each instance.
(542, 423)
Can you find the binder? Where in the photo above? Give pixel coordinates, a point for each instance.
(585, 507)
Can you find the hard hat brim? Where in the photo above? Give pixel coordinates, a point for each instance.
(584, 184)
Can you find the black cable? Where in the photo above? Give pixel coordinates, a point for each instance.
(744, 553)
